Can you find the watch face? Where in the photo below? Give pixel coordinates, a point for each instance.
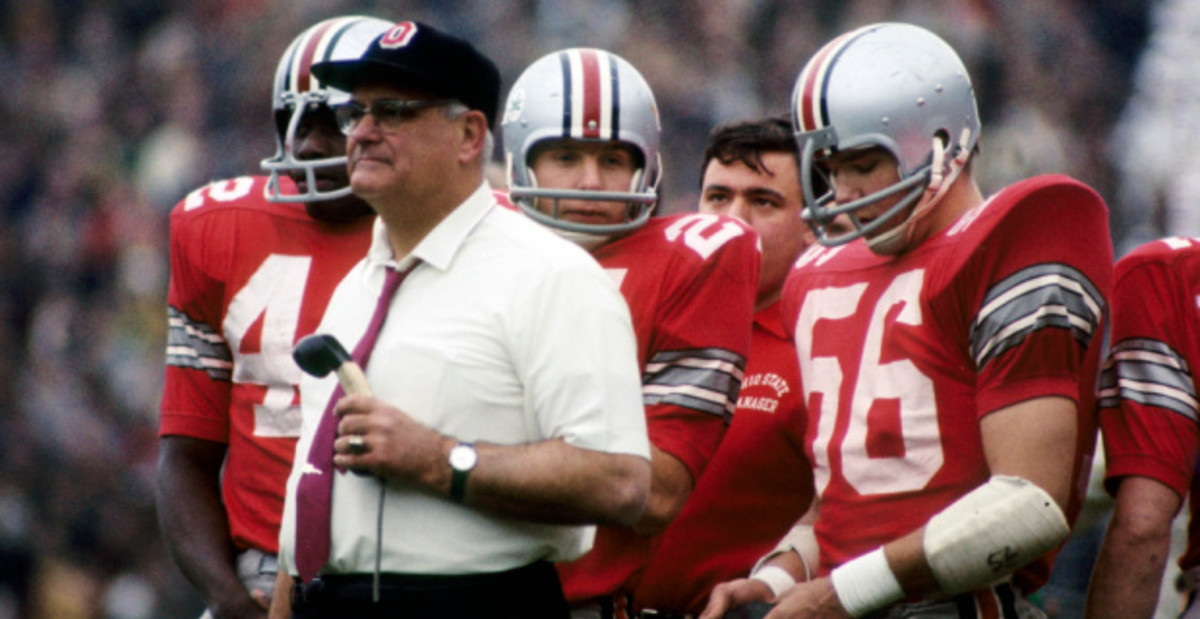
(463, 457)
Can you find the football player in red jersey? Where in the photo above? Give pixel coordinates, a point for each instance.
(948, 345)
(253, 262)
(759, 482)
(581, 138)
(1148, 417)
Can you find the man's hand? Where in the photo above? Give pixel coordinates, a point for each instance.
(376, 438)
(815, 599)
(729, 595)
(195, 527)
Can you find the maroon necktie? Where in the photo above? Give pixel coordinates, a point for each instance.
(315, 490)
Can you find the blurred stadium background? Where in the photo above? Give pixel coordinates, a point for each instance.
(113, 110)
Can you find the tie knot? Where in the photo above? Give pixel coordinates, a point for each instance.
(392, 279)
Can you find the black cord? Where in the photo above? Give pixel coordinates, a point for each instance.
(378, 543)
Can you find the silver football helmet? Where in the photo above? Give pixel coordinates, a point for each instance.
(894, 86)
(589, 95)
(296, 91)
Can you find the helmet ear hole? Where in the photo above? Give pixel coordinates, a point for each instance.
(943, 136)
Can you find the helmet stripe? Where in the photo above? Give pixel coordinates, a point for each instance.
(589, 116)
(565, 61)
(589, 94)
(283, 78)
(326, 54)
(303, 71)
(585, 83)
(812, 110)
(614, 98)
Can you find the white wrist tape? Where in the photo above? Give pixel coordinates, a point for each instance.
(990, 532)
(776, 578)
(866, 583)
(801, 540)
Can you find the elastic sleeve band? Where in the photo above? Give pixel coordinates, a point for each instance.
(801, 540)
(776, 578)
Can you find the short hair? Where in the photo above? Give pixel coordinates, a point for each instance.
(746, 141)
(455, 110)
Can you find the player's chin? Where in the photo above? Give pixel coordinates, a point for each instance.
(324, 185)
(591, 215)
(337, 211)
(590, 219)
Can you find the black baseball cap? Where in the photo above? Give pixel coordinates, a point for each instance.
(419, 55)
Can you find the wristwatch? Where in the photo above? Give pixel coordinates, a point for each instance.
(463, 458)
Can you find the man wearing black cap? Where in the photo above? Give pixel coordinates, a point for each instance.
(507, 401)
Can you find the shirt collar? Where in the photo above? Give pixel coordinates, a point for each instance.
(439, 247)
(771, 319)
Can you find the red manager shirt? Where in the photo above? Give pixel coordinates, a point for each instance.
(755, 488)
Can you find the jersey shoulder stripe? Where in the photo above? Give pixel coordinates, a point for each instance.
(1151, 373)
(706, 380)
(1034, 298)
(193, 344)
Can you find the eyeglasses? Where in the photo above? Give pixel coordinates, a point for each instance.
(389, 114)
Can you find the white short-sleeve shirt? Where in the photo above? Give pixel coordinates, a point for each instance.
(504, 333)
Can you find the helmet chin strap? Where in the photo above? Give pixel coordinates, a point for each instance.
(941, 178)
(631, 209)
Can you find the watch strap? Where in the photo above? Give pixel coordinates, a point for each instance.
(458, 478)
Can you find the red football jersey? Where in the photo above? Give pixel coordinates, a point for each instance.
(690, 281)
(1148, 393)
(901, 356)
(248, 279)
(754, 489)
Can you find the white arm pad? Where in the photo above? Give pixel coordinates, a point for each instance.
(990, 532)
(801, 540)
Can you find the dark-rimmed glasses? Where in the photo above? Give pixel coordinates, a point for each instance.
(389, 114)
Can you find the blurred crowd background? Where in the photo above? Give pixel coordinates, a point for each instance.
(113, 110)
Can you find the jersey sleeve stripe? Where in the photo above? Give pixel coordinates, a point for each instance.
(195, 345)
(706, 380)
(1151, 373)
(1041, 296)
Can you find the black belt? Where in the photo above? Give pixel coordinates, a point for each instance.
(608, 607)
(537, 583)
